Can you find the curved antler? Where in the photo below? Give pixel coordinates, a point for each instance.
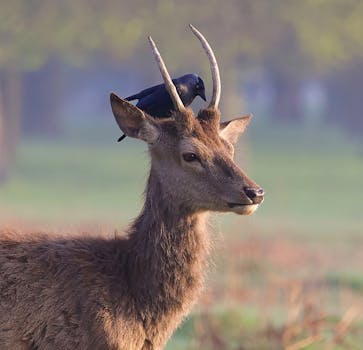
(213, 67)
(178, 103)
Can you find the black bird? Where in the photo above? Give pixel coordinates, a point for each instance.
(156, 101)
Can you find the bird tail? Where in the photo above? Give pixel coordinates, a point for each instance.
(132, 97)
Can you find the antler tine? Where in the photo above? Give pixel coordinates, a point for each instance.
(213, 67)
(178, 103)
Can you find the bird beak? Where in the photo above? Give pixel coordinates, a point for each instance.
(202, 95)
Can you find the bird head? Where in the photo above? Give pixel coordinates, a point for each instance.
(199, 88)
(195, 86)
(198, 85)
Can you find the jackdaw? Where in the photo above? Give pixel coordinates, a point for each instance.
(156, 101)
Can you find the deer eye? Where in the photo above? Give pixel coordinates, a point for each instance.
(190, 157)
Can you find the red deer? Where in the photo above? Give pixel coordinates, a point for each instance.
(130, 293)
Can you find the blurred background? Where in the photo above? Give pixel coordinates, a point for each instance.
(290, 276)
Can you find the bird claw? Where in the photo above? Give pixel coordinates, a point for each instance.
(121, 138)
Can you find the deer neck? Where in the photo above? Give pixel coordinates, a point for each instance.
(168, 248)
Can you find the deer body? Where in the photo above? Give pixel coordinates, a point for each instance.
(92, 293)
(130, 293)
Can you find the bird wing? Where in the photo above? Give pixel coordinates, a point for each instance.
(143, 93)
(157, 104)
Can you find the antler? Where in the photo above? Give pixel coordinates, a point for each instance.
(178, 104)
(213, 67)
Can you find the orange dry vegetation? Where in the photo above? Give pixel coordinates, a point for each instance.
(305, 295)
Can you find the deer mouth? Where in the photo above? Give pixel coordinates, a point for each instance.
(243, 209)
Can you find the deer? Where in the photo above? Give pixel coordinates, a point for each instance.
(131, 292)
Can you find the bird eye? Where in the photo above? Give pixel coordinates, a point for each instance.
(197, 86)
(190, 157)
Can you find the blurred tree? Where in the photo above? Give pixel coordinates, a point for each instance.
(3, 162)
(42, 95)
(318, 37)
(10, 107)
(292, 39)
(344, 88)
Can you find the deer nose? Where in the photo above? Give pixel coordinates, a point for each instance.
(255, 194)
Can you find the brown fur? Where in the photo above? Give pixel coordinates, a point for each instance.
(126, 293)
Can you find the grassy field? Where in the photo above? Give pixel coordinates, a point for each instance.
(288, 277)
(311, 179)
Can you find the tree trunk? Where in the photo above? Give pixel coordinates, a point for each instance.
(232, 101)
(233, 106)
(42, 95)
(13, 108)
(10, 119)
(286, 106)
(3, 162)
(344, 89)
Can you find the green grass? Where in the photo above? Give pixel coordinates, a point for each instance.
(346, 279)
(235, 329)
(68, 183)
(312, 179)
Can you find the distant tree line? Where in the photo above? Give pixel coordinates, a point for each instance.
(292, 39)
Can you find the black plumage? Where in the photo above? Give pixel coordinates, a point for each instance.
(156, 101)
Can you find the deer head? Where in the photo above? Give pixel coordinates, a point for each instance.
(193, 156)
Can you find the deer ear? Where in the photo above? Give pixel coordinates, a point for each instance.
(232, 129)
(132, 120)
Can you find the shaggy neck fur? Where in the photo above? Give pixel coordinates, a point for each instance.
(166, 260)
